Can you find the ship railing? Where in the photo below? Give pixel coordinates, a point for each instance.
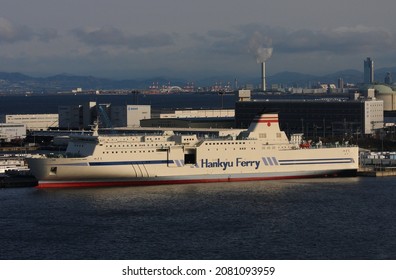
(328, 145)
(64, 155)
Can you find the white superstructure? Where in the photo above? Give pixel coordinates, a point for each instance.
(32, 121)
(262, 152)
(11, 163)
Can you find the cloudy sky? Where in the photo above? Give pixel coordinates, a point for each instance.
(193, 39)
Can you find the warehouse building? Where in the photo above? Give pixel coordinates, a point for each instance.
(9, 132)
(316, 117)
(32, 121)
(193, 122)
(82, 116)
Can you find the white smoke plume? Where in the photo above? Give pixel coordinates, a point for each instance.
(261, 47)
(263, 54)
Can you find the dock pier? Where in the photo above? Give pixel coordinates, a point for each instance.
(377, 172)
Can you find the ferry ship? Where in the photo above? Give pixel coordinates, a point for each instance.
(9, 162)
(262, 152)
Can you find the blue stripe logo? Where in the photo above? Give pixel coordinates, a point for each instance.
(316, 161)
(270, 161)
(130, 162)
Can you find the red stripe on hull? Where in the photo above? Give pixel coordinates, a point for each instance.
(171, 182)
(266, 121)
(266, 118)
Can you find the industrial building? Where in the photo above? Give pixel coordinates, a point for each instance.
(71, 117)
(188, 113)
(316, 118)
(188, 118)
(83, 116)
(32, 121)
(9, 132)
(388, 96)
(129, 115)
(216, 122)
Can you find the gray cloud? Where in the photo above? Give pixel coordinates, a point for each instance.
(339, 41)
(47, 35)
(114, 50)
(151, 40)
(12, 33)
(219, 34)
(102, 36)
(111, 36)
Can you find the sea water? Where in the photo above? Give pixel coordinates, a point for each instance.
(333, 218)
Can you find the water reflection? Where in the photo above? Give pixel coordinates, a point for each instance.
(337, 218)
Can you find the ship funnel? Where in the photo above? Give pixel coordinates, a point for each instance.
(264, 122)
(265, 128)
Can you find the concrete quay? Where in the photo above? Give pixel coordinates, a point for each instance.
(371, 172)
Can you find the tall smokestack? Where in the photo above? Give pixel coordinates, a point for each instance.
(263, 81)
(261, 47)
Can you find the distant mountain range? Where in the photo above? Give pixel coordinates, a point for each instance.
(17, 82)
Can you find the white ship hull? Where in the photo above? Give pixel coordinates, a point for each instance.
(171, 159)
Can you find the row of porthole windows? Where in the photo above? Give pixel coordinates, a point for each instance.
(140, 145)
(264, 148)
(273, 148)
(225, 143)
(122, 140)
(233, 149)
(126, 152)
